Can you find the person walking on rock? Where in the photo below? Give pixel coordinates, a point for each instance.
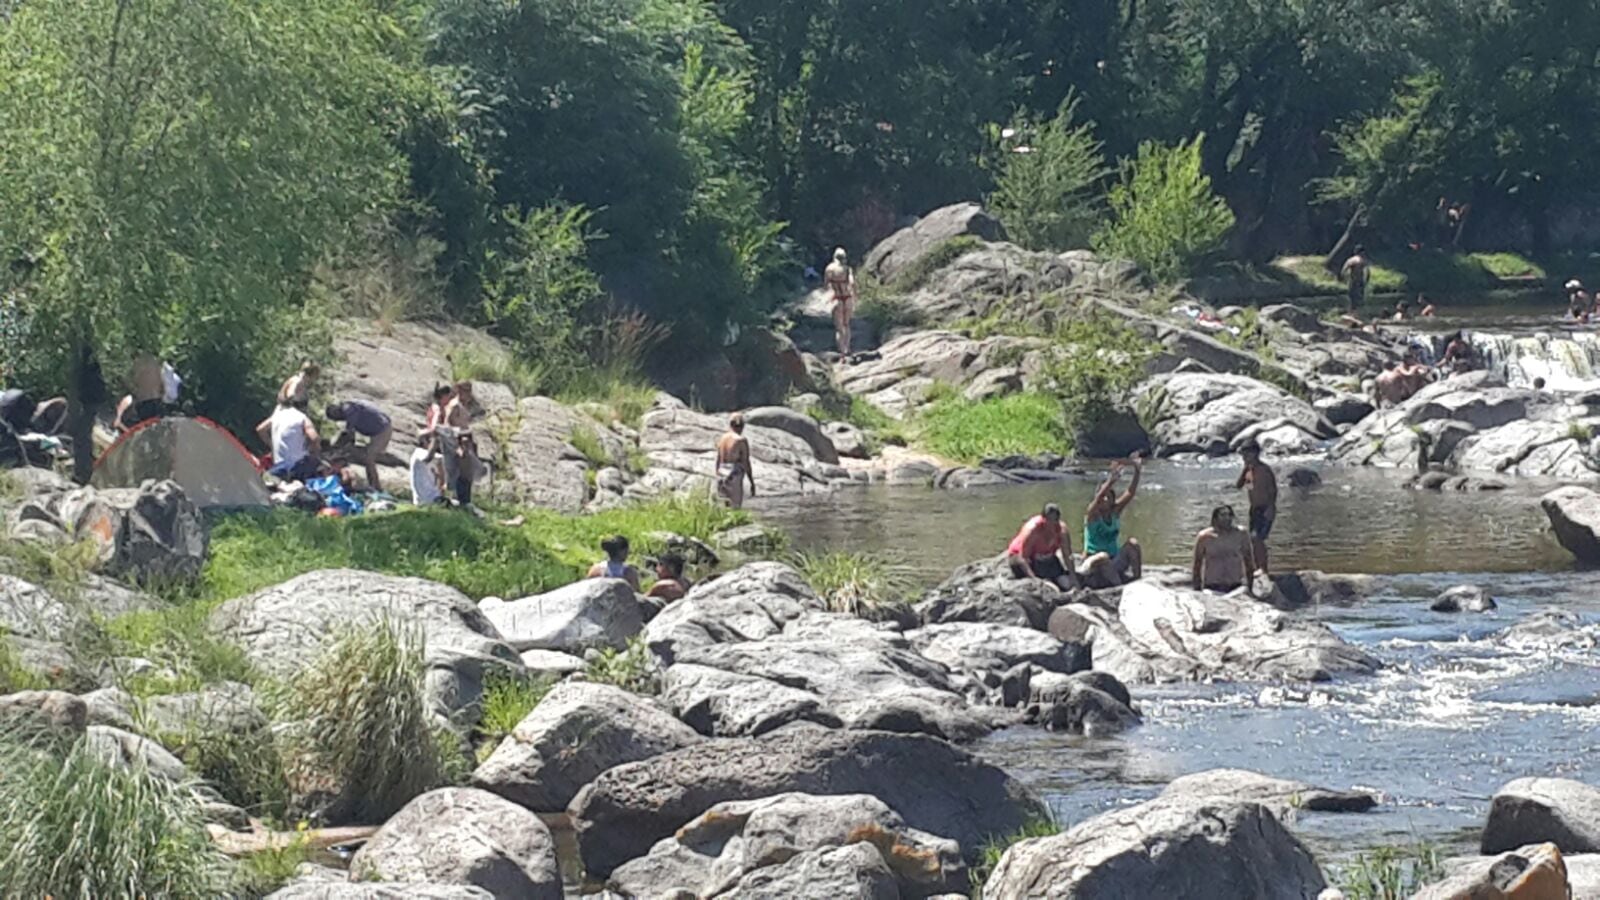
(733, 463)
(362, 418)
(1262, 485)
(842, 281)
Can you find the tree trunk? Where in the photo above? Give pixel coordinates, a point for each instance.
(1334, 258)
(84, 393)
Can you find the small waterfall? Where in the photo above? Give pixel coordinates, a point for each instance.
(1566, 362)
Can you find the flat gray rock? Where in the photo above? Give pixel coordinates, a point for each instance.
(467, 837)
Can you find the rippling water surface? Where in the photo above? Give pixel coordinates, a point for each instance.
(1456, 713)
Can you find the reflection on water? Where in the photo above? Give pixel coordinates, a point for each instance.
(1359, 520)
(1454, 716)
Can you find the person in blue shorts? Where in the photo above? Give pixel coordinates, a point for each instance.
(1262, 485)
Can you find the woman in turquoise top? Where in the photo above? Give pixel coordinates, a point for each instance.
(1108, 560)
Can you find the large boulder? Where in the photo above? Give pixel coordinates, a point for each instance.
(854, 872)
(30, 611)
(542, 468)
(1535, 872)
(897, 378)
(1159, 634)
(150, 533)
(798, 424)
(48, 711)
(1538, 810)
(468, 837)
(979, 648)
(985, 591)
(535, 765)
(1206, 413)
(681, 446)
(935, 786)
(1187, 842)
(906, 247)
(731, 840)
(1575, 517)
(595, 613)
(1087, 703)
(282, 629)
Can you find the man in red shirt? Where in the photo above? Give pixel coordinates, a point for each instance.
(1043, 549)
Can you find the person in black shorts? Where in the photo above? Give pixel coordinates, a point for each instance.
(1262, 485)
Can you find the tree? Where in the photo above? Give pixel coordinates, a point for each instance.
(1165, 216)
(178, 167)
(1048, 181)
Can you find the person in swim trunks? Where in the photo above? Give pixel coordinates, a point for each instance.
(1043, 549)
(1262, 485)
(1222, 556)
(1107, 561)
(733, 463)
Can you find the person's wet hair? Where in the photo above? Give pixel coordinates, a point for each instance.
(1052, 511)
(441, 392)
(1250, 448)
(615, 546)
(736, 422)
(673, 563)
(1221, 512)
(334, 411)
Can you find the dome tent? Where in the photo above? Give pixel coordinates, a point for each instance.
(212, 467)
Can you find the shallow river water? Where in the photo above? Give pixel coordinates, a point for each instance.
(1453, 716)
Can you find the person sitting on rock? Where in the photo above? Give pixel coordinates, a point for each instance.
(1429, 307)
(1109, 562)
(297, 387)
(1223, 555)
(294, 442)
(1458, 356)
(1043, 549)
(1399, 384)
(362, 418)
(733, 463)
(670, 584)
(615, 565)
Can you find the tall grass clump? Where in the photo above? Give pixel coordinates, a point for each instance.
(971, 431)
(1165, 215)
(1391, 873)
(74, 825)
(482, 362)
(989, 855)
(243, 765)
(359, 742)
(14, 676)
(860, 584)
(507, 700)
(187, 656)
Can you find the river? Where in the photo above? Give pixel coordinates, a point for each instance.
(1453, 717)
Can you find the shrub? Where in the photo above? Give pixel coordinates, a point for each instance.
(971, 431)
(989, 855)
(886, 312)
(359, 737)
(265, 871)
(74, 825)
(538, 285)
(244, 766)
(587, 442)
(1098, 361)
(1048, 181)
(1165, 216)
(507, 700)
(860, 584)
(1391, 873)
(630, 669)
(186, 655)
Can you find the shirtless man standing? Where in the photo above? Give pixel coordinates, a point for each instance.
(733, 463)
(842, 281)
(1222, 555)
(1257, 478)
(1354, 274)
(455, 423)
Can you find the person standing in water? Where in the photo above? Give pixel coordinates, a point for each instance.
(1108, 561)
(1222, 556)
(1262, 485)
(842, 281)
(733, 463)
(1354, 275)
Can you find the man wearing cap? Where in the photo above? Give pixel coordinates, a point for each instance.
(1579, 303)
(1043, 549)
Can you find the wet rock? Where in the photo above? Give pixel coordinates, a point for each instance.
(800, 425)
(53, 711)
(903, 249)
(1278, 794)
(731, 840)
(1087, 703)
(468, 837)
(1197, 413)
(934, 786)
(962, 479)
(1575, 516)
(848, 440)
(336, 890)
(977, 648)
(595, 613)
(1538, 810)
(1535, 872)
(1463, 598)
(913, 473)
(1550, 629)
(1310, 588)
(1302, 477)
(1181, 844)
(535, 767)
(984, 591)
(1344, 409)
(1158, 634)
(282, 629)
(855, 871)
(1115, 434)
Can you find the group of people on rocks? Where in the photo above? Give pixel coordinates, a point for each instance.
(670, 585)
(1225, 555)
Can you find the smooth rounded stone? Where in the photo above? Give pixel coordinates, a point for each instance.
(854, 872)
(325, 890)
(1344, 409)
(111, 706)
(913, 473)
(1464, 598)
(1310, 588)
(962, 478)
(848, 440)
(535, 765)
(745, 539)
(1538, 810)
(1535, 872)
(1575, 517)
(935, 787)
(594, 613)
(731, 840)
(752, 602)
(1116, 434)
(44, 710)
(552, 663)
(979, 647)
(1302, 477)
(1159, 634)
(984, 591)
(1072, 704)
(1187, 413)
(1281, 795)
(121, 748)
(283, 629)
(464, 836)
(903, 249)
(1181, 844)
(224, 707)
(798, 424)
(681, 446)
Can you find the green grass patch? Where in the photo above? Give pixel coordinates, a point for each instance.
(73, 825)
(969, 432)
(587, 442)
(1507, 265)
(481, 362)
(1391, 873)
(507, 700)
(10, 489)
(1423, 271)
(629, 669)
(264, 872)
(186, 656)
(621, 395)
(13, 676)
(886, 311)
(989, 855)
(860, 584)
(1309, 270)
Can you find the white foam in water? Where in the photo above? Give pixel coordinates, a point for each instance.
(1566, 362)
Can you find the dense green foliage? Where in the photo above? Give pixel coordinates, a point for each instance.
(1391, 873)
(1165, 216)
(1098, 363)
(1047, 182)
(990, 853)
(507, 700)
